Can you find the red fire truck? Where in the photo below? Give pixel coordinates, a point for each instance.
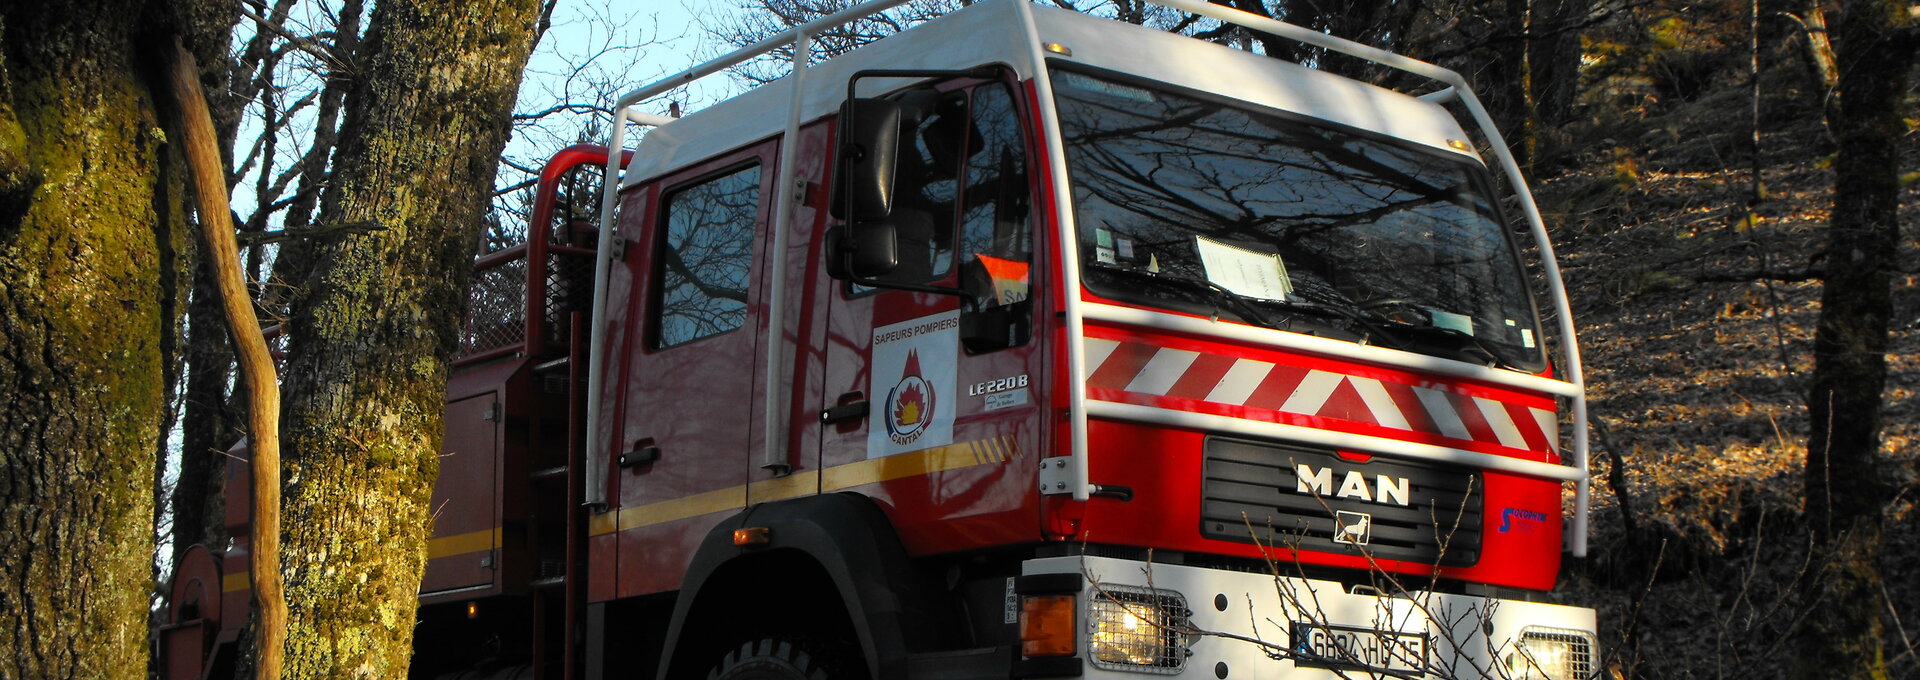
(1022, 344)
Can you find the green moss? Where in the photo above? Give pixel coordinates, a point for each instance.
(81, 372)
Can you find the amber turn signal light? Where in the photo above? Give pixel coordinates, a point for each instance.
(1046, 625)
(750, 536)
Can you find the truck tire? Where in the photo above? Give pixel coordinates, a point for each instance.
(768, 659)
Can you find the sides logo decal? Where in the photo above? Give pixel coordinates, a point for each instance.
(914, 366)
(1523, 521)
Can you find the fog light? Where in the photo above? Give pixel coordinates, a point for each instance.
(1552, 654)
(1137, 629)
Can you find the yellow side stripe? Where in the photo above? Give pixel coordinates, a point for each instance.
(461, 544)
(836, 478)
(444, 546)
(730, 498)
(937, 459)
(780, 488)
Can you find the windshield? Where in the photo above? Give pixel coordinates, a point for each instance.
(1232, 210)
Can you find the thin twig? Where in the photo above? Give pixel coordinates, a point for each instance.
(303, 44)
(314, 232)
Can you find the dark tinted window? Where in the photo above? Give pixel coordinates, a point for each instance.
(705, 258)
(1199, 204)
(995, 236)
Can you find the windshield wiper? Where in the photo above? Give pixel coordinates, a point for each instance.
(1451, 343)
(1369, 325)
(1241, 304)
(1250, 307)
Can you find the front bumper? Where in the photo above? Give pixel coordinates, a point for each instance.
(1228, 624)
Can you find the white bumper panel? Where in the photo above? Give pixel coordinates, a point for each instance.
(1247, 624)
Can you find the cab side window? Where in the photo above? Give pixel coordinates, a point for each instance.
(996, 238)
(705, 258)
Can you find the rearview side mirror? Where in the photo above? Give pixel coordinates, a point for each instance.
(863, 181)
(862, 250)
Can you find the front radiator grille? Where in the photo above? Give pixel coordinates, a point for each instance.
(1358, 507)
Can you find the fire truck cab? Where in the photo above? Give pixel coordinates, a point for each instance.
(1022, 343)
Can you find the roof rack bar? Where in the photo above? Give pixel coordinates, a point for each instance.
(773, 455)
(786, 37)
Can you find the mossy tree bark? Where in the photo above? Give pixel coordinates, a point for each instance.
(1846, 495)
(88, 235)
(377, 325)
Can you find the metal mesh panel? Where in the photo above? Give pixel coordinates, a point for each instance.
(1137, 629)
(569, 290)
(496, 308)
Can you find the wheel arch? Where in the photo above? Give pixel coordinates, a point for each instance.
(835, 551)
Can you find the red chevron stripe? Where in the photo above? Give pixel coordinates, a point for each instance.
(1470, 416)
(1410, 407)
(1529, 428)
(1345, 404)
(1274, 390)
(1121, 366)
(1201, 377)
(1129, 360)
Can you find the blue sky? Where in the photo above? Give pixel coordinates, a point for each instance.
(597, 50)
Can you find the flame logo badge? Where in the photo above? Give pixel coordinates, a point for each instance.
(910, 404)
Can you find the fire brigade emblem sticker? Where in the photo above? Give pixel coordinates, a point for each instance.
(913, 365)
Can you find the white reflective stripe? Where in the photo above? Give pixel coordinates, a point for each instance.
(1312, 393)
(1502, 423)
(1097, 352)
(1385, 446)
(1549, 426)
(1385, 412)
(1440, 409)
(1237, 386)
(1165, 368)
(1250, 336)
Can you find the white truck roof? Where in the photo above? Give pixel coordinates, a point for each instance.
(992, 33)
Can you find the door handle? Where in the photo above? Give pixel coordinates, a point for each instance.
(852, 407)
(644, 452)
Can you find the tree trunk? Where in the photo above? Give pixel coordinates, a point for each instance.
(209, 425)
(379, 322)
(87, 229)
(1846, 497)
(1553, 59)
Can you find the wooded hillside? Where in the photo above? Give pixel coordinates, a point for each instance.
(1698, 303)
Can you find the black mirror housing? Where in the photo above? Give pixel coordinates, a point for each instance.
(862, 250)
(868, 131)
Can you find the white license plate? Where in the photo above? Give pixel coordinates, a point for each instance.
(1355, 648)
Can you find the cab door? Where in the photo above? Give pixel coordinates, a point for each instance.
(949, 438)
(688, 393)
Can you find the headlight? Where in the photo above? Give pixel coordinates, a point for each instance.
(1552, 654)
(1137, 629)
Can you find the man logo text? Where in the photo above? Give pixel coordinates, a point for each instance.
(1385, 490)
